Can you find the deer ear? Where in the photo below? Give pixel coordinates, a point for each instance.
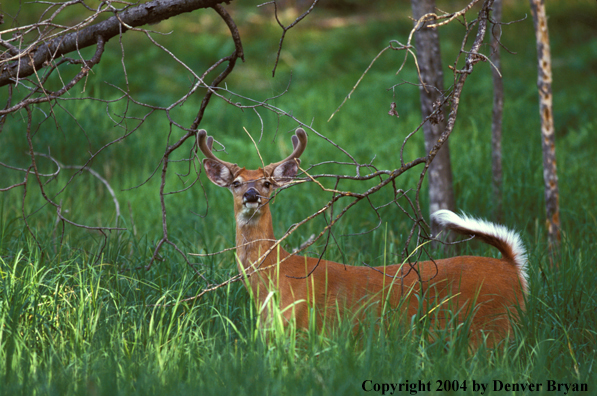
(219, 174)
(285, 172)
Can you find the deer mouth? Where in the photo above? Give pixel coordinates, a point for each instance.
(252, 205)
(251, 199)
(252, 202)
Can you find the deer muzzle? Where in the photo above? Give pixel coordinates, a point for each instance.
(251, 198)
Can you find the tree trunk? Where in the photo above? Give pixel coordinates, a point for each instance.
(550, 177)
(441, 193)
(498, 109)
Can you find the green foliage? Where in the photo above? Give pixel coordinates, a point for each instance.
(85, 317)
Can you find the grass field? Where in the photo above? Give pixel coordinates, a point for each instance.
(83, 317)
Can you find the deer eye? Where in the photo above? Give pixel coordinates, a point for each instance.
(236, 184)
(267, 184)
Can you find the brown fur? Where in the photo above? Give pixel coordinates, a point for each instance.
(494, 284)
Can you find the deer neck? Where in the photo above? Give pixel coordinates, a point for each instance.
(255, 237)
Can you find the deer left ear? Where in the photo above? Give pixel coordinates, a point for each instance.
(285, 172)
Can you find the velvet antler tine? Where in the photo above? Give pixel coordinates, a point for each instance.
(206, 143)
(299, 142)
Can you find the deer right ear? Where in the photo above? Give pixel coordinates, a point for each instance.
(219, 174)
(285, 172)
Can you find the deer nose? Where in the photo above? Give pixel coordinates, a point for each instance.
(251, 196)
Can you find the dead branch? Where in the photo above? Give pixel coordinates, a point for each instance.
(27, 61)
(286, 28)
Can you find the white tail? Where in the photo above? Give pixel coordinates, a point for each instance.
(508, 242)
(495, 285)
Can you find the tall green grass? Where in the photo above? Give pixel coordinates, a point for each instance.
(82, 316)
(78, 327)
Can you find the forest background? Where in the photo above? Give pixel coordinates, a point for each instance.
(87, 317)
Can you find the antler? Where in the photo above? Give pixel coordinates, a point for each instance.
(299, 142)
(206, 143)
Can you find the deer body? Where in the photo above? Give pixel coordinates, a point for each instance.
(307, 285)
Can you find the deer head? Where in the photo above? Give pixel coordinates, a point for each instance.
(251, 189)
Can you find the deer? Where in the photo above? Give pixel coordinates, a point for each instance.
(312, 289)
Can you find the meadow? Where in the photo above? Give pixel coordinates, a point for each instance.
(79, 314)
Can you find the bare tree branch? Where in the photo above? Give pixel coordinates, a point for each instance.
(26, 61)
(286, 28)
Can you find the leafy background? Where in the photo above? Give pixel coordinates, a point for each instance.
(73, 324)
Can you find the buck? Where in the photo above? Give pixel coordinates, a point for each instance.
(306, 286)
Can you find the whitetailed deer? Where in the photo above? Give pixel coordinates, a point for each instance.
(306, 285)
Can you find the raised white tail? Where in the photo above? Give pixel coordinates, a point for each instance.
(507, 241)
